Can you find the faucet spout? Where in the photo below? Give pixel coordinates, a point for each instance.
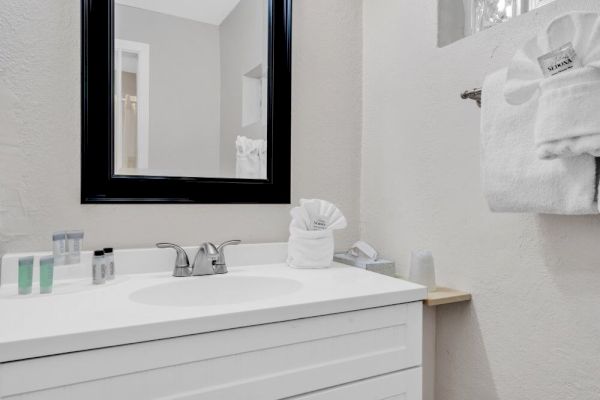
(210, 259)
(205, 260)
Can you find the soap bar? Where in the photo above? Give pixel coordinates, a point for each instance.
(380, 266)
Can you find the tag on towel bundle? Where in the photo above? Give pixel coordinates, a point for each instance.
(311, 243)
(557, 61)
(319, 224)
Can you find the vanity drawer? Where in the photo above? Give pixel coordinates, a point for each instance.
(405, 385)
(272, 361)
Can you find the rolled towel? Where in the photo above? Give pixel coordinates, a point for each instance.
(311, 243)
(310, 249)
(567, 122)
(515, 179)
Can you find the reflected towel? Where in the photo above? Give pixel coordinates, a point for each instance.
(251, 160)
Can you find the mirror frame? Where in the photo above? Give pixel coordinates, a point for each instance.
(100, 184)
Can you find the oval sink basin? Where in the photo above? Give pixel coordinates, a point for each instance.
(214, 290)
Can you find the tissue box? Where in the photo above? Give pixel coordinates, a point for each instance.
(380, 266)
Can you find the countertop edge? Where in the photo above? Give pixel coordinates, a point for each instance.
(86, 341)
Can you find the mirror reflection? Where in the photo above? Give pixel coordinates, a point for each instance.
(191, 88)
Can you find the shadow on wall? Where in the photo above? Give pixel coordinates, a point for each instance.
(570, 251)
(572, 263)
(460, 320)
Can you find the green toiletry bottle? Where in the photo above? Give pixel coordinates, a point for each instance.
(46, 274)
(25, 275)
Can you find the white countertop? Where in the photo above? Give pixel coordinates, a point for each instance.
(91, 317)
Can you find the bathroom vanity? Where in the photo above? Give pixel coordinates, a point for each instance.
(262, 331)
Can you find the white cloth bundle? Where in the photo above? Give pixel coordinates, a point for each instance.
(567, 122)
(311, 243)
(515, 179)
(251, 160)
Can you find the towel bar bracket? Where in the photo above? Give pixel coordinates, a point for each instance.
(474, 94)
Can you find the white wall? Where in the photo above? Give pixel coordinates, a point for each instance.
(532, 330)
(185, 89)
(40, 135)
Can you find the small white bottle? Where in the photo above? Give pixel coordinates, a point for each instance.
(99, 268)
(74, 240)
(109, 256)
(59, 248)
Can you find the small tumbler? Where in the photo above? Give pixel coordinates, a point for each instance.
(422, 269)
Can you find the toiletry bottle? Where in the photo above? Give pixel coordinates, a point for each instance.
(25, 275)
(46, 274)
(109, 256)
(74, 239)
(99, 268)
(59, 248)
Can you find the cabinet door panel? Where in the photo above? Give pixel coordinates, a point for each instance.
(267, 362)
(405, 385)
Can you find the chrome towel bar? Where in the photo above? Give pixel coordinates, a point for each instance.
(474, 94)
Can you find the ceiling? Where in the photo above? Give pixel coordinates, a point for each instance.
(207, 11)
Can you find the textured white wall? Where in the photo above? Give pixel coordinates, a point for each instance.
(532, 331)
(40, 135)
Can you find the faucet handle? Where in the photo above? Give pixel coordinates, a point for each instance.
(182, 263)
(220, 264)
(228, 243)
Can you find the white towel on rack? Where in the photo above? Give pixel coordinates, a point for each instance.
(568, 118)
(515, 179)
(251, 160)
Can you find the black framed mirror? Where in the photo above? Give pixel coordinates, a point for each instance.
(186, 105)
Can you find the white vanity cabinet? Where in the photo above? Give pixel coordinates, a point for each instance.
(263, 331)
(370, 354)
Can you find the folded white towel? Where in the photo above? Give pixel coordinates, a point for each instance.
(311, 242)
(515, 180)
(319, 215)
(568, 122)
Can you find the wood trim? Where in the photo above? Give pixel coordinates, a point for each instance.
(444, 296)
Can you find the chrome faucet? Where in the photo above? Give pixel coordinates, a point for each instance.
(182, 263)
(210, 259)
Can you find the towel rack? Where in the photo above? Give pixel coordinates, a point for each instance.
(474, 94)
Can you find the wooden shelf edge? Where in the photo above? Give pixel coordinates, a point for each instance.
(443, 296)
